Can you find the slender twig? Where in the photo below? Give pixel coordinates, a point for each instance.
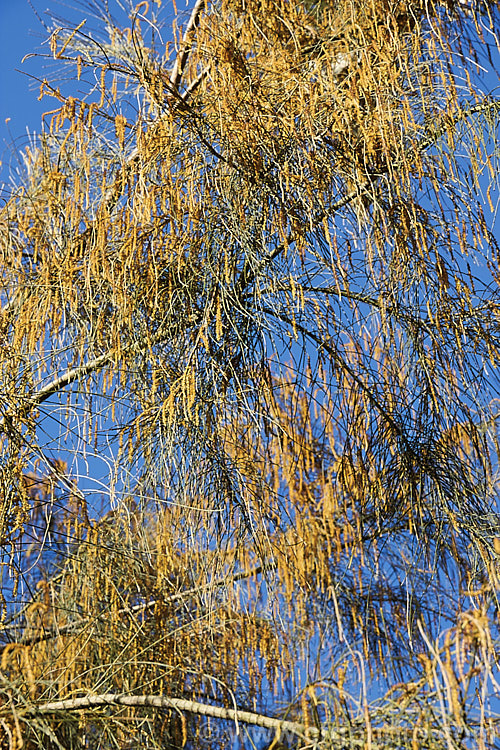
(323, 344)
(434, 133)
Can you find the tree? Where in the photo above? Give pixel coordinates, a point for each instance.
(253, 272)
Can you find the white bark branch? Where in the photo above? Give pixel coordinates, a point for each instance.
(182, 57)
(53, 387)
(179, 704)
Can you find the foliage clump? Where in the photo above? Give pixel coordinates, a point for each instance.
(253, 272)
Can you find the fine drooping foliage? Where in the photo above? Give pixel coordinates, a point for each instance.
(250, 336)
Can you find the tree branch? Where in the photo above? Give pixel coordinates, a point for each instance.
(193, 707)
(54, 387)
(71, 627)
(180, 63)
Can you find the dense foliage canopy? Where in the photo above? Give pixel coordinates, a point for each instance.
(249, 387)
